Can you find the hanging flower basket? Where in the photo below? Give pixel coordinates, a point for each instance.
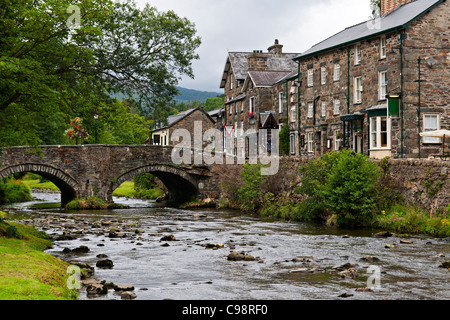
(339, 135)
(251, 115)
(359, 133)
(221, 128)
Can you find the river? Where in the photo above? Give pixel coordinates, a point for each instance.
(195, 266)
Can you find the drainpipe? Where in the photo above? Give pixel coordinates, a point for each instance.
(314, 110)
(419, 109)
(348, 80)
(287, 115)
(298, 109)
(401, 93)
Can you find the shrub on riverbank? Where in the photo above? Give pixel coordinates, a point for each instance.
(27, 272)
(13, 191)
(92, 203)
(343, 184)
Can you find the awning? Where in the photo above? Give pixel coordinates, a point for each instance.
(377, 111)
(352, 117)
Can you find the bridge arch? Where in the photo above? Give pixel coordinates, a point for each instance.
(181, 185)
(66, 183)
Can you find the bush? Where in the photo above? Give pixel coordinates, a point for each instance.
(344, 184)
(14, 191)
(251, 194)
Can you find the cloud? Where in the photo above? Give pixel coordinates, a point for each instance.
(247, 25)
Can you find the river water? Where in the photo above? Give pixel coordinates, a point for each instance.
(192, 268)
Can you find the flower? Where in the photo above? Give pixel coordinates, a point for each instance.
(383, 213)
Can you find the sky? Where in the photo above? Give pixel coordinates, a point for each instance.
(247, 25)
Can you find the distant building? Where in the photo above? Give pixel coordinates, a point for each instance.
(162, 135)
(255, 91)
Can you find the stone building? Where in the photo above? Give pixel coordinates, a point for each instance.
(162, 135)
(255, 92)
(374, 87)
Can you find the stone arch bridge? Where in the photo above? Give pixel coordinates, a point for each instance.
(97, 170)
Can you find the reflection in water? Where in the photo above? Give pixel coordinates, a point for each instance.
(194, 267)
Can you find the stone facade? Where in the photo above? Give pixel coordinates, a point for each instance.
(252, 83)
(186, 120)
(343, 97)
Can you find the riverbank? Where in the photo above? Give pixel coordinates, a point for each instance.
(27, 272)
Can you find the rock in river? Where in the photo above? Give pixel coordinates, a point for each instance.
(239, 256)
(169, 237)
(104, 264)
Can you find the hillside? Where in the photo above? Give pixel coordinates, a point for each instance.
(187, 95)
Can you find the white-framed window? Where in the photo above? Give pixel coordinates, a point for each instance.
(431, 123)
(323, 75)
(382, 85)
(292, 144)
(311, 142)
(242, 106)
(251, 106)
(236, 129)
(231, 81)
(242, 128)
(337, 107)
(236, 107)
(310, 110)
(337, 140)
(280, 102)
(310, 77)
(380, 133)
(324, 109)
(357, 54)
(231, 108)
(337, 72)
(293, 114)
(357, 96)
(382, 47)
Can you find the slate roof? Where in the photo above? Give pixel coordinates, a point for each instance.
(397, 19)
(171, 120)
(238, 61)
(267, 78)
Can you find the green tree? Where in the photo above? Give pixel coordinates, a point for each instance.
(45, 74)
(375, 5)
(285, 139)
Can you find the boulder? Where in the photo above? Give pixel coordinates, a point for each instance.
(240, 256)
(169, 237)
(369, 259)
(123, 287)
(95, 289)
(81, 249)
(384, 234)
(349, 273)
(445, 264)
(345, 266)
(104, 264)
(128, 295)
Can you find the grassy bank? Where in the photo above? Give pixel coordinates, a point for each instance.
(13, 191)
(28, 273)
(129, 190)
(37, 184)
(92, 203)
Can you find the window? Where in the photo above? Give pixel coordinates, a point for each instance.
(231, 108)
(357, 90)
(231, 81)
(431, 123)
(337, 72)
(323, 75)
(382, 89)
(280, 102)
(380, 134)
(324, 109)
(310, 77)
(156, 139)
(242, 106)
(357, 54)
(236, 107)
(382, 47)
(236, 129)
(337, 140)
(251, 107)
(293, 114)
(292, 144)
(337, 107)
(242, 128)
(311, 142)
(310, 110)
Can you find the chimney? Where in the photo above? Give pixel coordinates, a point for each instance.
(257, 61)
(276, 49)
(389, 5)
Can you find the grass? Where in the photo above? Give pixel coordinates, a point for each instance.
(92, 203)
(26, 272)
(410, 219)
(128, 190)
(36, 184)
